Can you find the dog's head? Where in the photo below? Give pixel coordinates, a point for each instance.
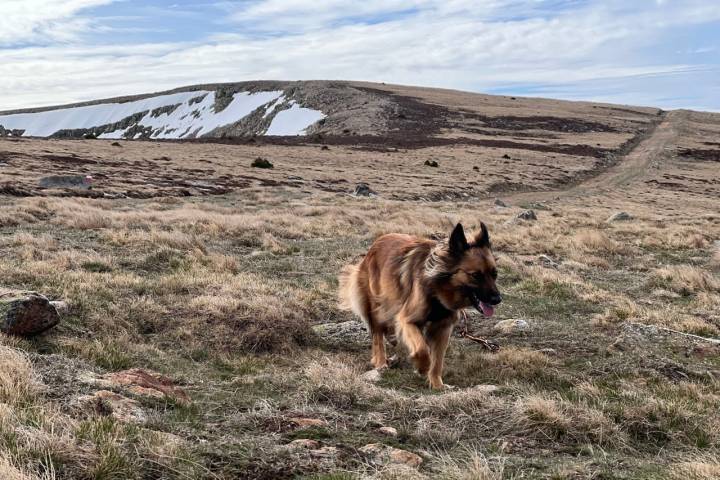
(467, 272)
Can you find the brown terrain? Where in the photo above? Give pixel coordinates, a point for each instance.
(200, 335)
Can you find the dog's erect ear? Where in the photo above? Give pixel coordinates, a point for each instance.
(482, 239)
(458, 243)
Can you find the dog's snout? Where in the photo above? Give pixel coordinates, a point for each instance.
(495, 299)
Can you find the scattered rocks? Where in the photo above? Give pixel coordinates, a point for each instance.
(506, 156)
(512, 325)
(116, 144)
(389, 431)
(26, 314)
(383, 454)
(302, 422)
(364, 190)
(351, 331)
(110, 404)
(431, 163)
(260, 162)
(619, 217)
(500, 203)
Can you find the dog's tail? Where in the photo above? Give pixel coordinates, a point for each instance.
(350, 293)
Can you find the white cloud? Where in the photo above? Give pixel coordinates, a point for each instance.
(476, 45)
(30, 21)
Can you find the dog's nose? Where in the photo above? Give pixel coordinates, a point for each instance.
(495, 299)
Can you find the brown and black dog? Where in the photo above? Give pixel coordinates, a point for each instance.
(413, 288)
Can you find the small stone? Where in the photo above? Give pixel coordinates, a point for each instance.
(512, 325)
(389, 431)
(547, 261)
(500, 203)
(487, 389)
(372, 376)
(304, 444)
(528, 215)
(384, 454)
(619, 217)
(302, 422)
(364, 190)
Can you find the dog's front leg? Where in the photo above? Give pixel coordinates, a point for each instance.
(438, 338)
(414, 340)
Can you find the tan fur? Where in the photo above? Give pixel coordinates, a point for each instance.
(413, 287)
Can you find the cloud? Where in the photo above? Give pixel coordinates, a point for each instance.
(476, 45)
(43, 21)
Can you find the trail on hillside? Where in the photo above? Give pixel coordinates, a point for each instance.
(629, 169)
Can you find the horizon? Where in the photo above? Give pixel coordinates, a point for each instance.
(580, 50)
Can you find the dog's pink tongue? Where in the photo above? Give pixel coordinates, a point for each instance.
(488, 310)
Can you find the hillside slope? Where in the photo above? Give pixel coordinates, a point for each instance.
(335, 109)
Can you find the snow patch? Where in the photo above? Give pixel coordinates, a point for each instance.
(194, 115)
(294, 121)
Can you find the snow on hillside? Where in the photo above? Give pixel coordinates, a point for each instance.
(178, 115)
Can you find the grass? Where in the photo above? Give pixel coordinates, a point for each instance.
(219, 293)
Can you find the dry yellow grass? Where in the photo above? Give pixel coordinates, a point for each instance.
(686, 280)
(17, 381)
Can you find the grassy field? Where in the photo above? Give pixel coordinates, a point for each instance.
(220, 293)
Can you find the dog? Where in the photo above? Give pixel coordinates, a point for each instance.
(413, 288)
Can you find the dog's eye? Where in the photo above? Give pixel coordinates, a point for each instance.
(493, 274)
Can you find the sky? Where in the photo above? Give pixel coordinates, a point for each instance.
(663, 53)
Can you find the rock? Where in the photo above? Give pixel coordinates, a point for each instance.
(512, 325)
(67, 181)
(389, 431)
(547, 261)
(304, 444)
(26, 314)
(116, 144)
(60, 305)
(431, 163)
(260, 162)
(142, 383)
(302, 422)
(351, 331)
(500, 203)
(364, 190)
(486, 389)
(106, 403)
(619, 217)
(325, 452)
(372, 376)
(528, 215)
(383, 454)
